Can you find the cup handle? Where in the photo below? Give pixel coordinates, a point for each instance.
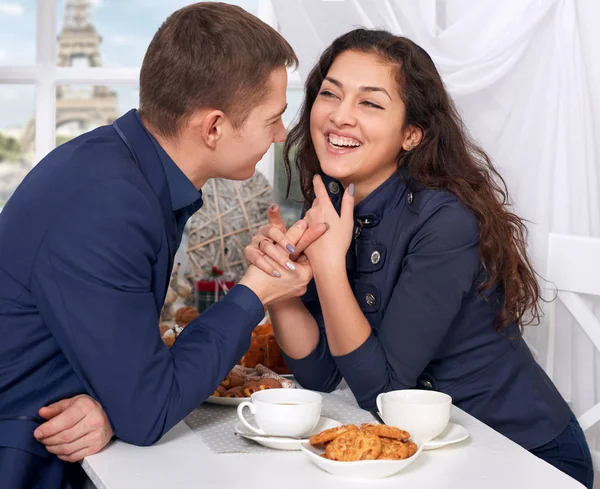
(378, 402)
(240, 414)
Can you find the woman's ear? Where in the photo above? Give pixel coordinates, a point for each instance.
(412, 137)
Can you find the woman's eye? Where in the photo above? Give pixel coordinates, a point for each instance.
(326, 93)
(372, 105)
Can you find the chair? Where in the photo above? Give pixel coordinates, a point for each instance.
(574, 268)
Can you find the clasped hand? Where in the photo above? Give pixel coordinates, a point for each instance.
(319, 240)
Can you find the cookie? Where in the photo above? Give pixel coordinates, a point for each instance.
(354, 445)
(234, 392)
(328, 435)
(386, 431)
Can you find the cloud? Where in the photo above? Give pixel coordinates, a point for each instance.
(124, 40)
(11, 9)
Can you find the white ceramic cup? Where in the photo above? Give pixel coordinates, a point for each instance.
(424, 414)
(282, 412)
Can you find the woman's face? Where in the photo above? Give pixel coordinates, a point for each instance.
(356, 122)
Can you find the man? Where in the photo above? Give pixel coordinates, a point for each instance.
(87, 244)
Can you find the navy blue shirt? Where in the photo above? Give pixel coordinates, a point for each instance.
(415, 270)
(87, 244)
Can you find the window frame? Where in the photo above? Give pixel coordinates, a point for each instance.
(45, 75)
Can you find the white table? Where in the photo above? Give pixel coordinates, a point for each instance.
(487, 460)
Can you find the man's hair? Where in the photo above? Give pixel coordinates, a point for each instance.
(212, 55)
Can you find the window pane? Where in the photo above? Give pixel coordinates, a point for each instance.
(81, 108)
(291, 207)
(114, 33)
(17, 32)
(17, 148)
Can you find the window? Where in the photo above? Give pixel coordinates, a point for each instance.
(16, 119)
(52, 91)
(17, 23)
(290, 206)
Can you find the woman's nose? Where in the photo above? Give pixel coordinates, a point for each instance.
(343, 115)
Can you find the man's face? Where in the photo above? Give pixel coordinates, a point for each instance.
(240, 150)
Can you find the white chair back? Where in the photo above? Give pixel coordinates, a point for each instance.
(574, 269)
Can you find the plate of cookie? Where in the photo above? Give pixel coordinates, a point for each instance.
(371, 451)
(242, 382)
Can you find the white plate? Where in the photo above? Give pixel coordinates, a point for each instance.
(227, 401)
(452, 434)
(363, 469)
(283, 443)
(233, 401)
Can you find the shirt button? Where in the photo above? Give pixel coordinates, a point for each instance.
(370, 299)
(375, 257)
(426, 383)
(410, 198)
(334, 188)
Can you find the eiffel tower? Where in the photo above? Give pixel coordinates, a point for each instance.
(78, 41)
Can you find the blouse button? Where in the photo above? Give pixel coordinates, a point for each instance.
(370, 299)
(334, 188)
(426, 383)
(375, 257)
(410, 198)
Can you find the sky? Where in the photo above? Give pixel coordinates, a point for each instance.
(126, 27)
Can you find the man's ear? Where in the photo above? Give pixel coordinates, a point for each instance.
(209, 124)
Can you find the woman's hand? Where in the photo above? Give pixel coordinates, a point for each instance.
(272, 246)
(331, 249)
(75, 428)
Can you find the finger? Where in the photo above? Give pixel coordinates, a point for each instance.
(257, 258)
(320, 190)
(68, 435)
(266, 247)
(90, 446)
(77, 456)
(277, 254)
(61, 422)
(282, 239)
(313, 233)
(85, 441)
(48, 412)
(295, 232)
(274, 217)
(347, 208)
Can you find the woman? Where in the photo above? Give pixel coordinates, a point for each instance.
(422, 279)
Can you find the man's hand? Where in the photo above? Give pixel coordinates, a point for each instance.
(76, 428)
(274, 244)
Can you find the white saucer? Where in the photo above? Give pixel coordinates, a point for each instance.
(283, 443)
(452, 434)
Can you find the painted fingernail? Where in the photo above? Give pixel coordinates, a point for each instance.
(326, 226)
(290, 265)
(351, 189)
(276, 273)
(273, 207)
(291, 249)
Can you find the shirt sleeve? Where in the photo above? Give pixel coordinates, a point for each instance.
(318, 370)
(93, 283)
(438, 271)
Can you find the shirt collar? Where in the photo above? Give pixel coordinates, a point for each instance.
(182, 190)
(388, 194)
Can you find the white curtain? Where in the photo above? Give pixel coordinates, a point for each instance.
(517, 71)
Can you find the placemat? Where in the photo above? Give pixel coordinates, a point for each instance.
(215, 424)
